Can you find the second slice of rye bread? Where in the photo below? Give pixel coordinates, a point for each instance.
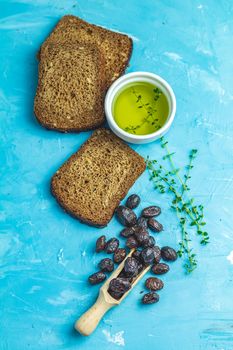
(115, 47)
(71, 87)
(93, 181)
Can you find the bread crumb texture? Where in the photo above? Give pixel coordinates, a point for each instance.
(70, 94)
(93, 181)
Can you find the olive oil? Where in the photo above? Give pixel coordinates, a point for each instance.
(140, 108)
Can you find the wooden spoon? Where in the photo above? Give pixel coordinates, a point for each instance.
(88, 322)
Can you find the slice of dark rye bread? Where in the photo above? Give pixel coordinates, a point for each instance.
(116, 47)
(70, 92)
(93, 181)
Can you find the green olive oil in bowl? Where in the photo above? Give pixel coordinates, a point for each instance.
(140, 108)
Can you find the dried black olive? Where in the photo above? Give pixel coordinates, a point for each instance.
(128, 231)
(111, 245)
(151, 211)
(140, 267)
(150, 242)
(154, 225)
(142, 222)
(97, 277)
(115, 295)
(157, 254)
(126, 216)
(154, 283)
(106, 265)
(160, 269)
(137, 255)
(142, 236)
(133, 201)
(119, 285)
(148, 255)
(131, 242)
(100, 244)
(122, 275)
(119, 255)
(150, 298)
(168, 254)
(131, 267)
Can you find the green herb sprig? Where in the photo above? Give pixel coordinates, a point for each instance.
(150, 118)
(188, 214)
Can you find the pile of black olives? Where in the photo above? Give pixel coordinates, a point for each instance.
(145, 253)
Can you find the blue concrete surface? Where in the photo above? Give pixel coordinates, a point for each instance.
(45, 255)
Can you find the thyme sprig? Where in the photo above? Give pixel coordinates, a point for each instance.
(187, 176)
(187, 212)
(185, 249)
(150, 110)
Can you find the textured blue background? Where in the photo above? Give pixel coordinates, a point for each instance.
(45, 255)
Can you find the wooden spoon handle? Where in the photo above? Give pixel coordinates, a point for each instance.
(88, 322)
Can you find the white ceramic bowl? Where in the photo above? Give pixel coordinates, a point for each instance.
(139, 77)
